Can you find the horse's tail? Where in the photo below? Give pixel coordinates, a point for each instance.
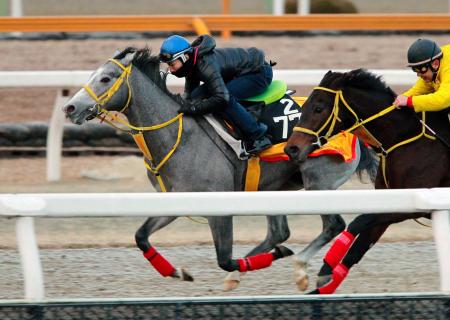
(368, 162)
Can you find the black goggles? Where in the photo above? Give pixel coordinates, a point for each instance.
(166, 57)
(421, 69)
(169, 57)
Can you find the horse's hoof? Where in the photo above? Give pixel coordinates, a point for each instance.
(301, 278)
(183, 275)
(230, 285)
(315, 291)
(232, 280)
(282, 252)
(323, 280)
(186, 276)
(302, 282)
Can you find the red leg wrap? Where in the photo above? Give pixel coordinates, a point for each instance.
(339, 249)
(159, 262)
(260, 261)
(339, 274)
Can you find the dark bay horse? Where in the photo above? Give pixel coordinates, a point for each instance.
(410, 156)
(186, 154)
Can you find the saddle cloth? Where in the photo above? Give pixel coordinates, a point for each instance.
(343, 144)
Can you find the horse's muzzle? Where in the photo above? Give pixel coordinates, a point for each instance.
(292, 151)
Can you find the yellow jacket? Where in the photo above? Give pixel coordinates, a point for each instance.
(435, 95)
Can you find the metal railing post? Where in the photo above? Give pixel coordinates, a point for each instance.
(29, 257)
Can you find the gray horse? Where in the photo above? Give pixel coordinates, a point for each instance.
(186, 154)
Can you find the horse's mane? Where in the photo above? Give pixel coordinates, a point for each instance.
(149, 65)
(358, 78)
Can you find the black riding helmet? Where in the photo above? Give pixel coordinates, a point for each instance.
(422, 52)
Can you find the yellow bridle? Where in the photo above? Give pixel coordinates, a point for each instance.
(106, 96)
(138, 136)
(359, 123)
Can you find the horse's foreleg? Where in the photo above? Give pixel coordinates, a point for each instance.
(322, 173)
(161, 264)
(332, 226)
(222, 231)
(277, 232)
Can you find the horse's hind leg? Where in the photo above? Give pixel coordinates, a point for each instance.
(329, 282)
(160, 263)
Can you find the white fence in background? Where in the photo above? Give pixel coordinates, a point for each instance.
(64, 79)
(27, 206)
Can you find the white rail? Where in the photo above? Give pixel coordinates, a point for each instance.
(26, 206)
(64, 79)
(78, 78)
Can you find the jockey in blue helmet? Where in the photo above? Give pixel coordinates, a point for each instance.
(228, 75)
(173, 48)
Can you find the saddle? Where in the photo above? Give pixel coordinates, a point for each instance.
(274, 107)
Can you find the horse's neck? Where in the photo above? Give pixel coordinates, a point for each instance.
(151, 106)
(388, 129)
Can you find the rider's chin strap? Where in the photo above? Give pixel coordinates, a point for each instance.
(139, 136)
(359, 125)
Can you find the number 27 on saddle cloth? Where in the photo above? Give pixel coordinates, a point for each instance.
(342, 144)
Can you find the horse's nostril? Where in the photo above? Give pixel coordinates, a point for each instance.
(69, 109)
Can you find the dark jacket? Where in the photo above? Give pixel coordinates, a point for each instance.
(215, 67)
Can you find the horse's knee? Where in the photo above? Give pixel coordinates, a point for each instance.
(229, 265)
(333, 225)
(283, 236)
(278, 232)
(338, 225)
(362, 222)
(141, 238)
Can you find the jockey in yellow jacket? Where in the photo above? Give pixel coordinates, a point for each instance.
(432, 65)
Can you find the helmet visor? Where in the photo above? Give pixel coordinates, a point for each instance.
(169, 57)
(165, 57)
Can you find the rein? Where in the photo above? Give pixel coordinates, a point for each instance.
(139, 136)
(359, 124)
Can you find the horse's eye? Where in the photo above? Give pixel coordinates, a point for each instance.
(318, 109)
(105, 79)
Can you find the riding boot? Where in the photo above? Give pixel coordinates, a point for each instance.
(258, 141)
(258, 145)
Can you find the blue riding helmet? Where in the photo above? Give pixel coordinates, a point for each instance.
(173, 48)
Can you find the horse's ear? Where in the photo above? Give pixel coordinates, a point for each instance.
(128, 58)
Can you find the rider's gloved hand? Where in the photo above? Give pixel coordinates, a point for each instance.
(188, 108)
(403, 101)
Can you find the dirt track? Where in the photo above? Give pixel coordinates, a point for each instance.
(105, 271)
(123, 272)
